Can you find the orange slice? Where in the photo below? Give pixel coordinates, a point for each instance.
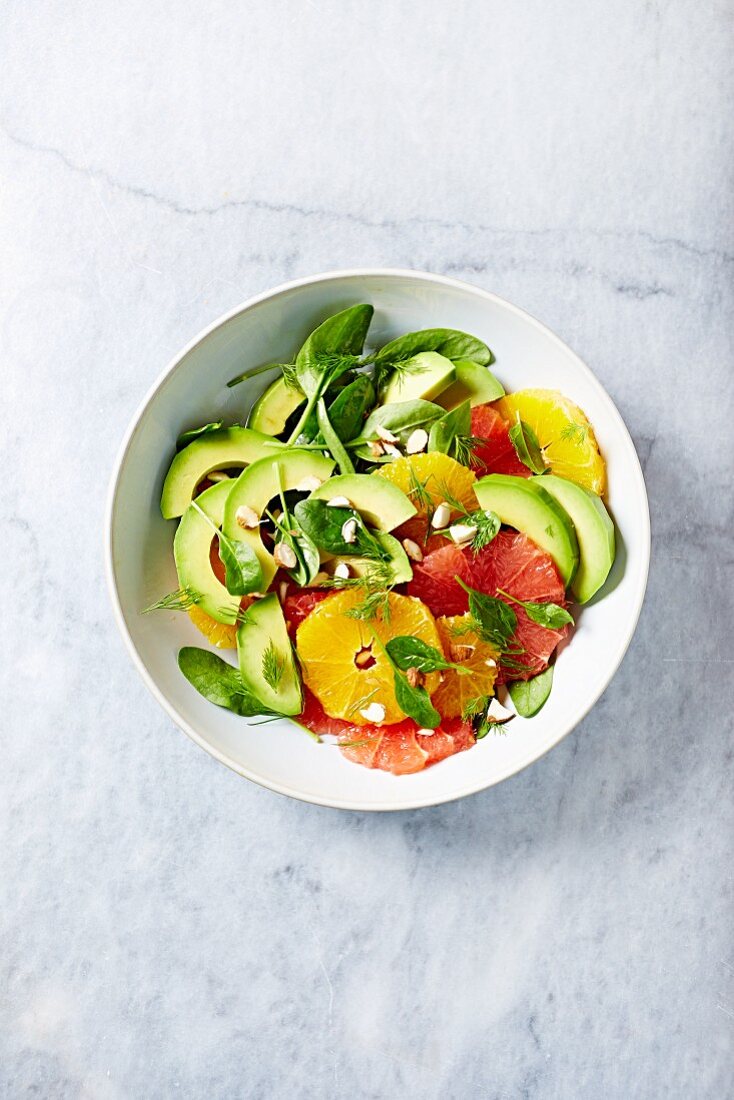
(343, 665)
(565, 435)
(465, 648)
(427, 479)
(222, 635)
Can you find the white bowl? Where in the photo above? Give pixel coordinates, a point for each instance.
(192, 390)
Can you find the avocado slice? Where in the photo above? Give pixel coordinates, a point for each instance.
(219, 450)
(267, 664)
(270, 412)
(530, 509)
(398, 562)
(474, 383)
(421, 377)
(380, 509)
(594, 531)
(191, 547)
(259, 484)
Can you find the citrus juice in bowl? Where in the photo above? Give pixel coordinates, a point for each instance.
(375, 521)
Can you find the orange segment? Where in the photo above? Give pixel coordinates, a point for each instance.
(466, 648)
(565, 435)
(222, 635)
(328, 641)
(427, 479)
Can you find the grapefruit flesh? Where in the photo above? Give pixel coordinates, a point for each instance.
(398, 748)
(496, 455)
(512, 562)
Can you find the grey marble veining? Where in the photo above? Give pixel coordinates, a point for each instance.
(169, 930)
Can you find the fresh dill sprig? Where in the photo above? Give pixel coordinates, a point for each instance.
(574, 432)
(420, 496)
(180, 600)
(374, 588)
(465, 447)
(273, 666)
(289, 376)
(475, 707)
(487, 523)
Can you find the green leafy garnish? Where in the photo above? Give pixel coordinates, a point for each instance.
(325, 525)
(195, 433)
(407, 652)
(446, 341)
(289, 531)
(254, 371)
(415, 702)
(494, 620)
(487, 523)
(349, 409)
(331, 349)
(452, 425)
(333, 443)
(574, 432)
(544, 614)
(527, 448)
(242, 570)
(465, 448)
(218, 682)
(273, 666)
(528, 696)
(180, 600)
(374, 587)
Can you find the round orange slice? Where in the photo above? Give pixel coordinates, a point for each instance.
(345, 667)
(429, 479)
(222, 635)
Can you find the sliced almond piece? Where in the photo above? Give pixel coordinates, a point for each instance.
(417, 441)
(375, 712)
(462, 533)
(339, 502)
(285, 556)
(349, 530)
(413, 550)
(308, 484)
(441, 516)
(385, 434)
(342, 570)
(247, 517)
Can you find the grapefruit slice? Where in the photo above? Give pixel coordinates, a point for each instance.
(512, 562)
(496, 455)
(398, 749)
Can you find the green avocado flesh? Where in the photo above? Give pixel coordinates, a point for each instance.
(262, 645)
(474, 383)
(191, 547)
(219, 450)
(259, 484)
(419, 378)
(594, 531)
(531, 510)
(380, 503)
(270, 412)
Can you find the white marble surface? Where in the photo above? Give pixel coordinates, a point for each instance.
(168, 929)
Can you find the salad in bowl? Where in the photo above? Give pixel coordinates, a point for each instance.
(394, 547)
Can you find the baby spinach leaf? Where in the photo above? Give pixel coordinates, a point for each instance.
(218, 682)
(495, 621)
(447, 341)
(401, 418)
(194, 433)
(527, 448)
(253, 371)
(415, 702)
(406, 652)
(544, 614)
(443, 434)
(332, 440)
(242, 570)
(331, 349)
(528, 696)
(348, 410)
(324, 525)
